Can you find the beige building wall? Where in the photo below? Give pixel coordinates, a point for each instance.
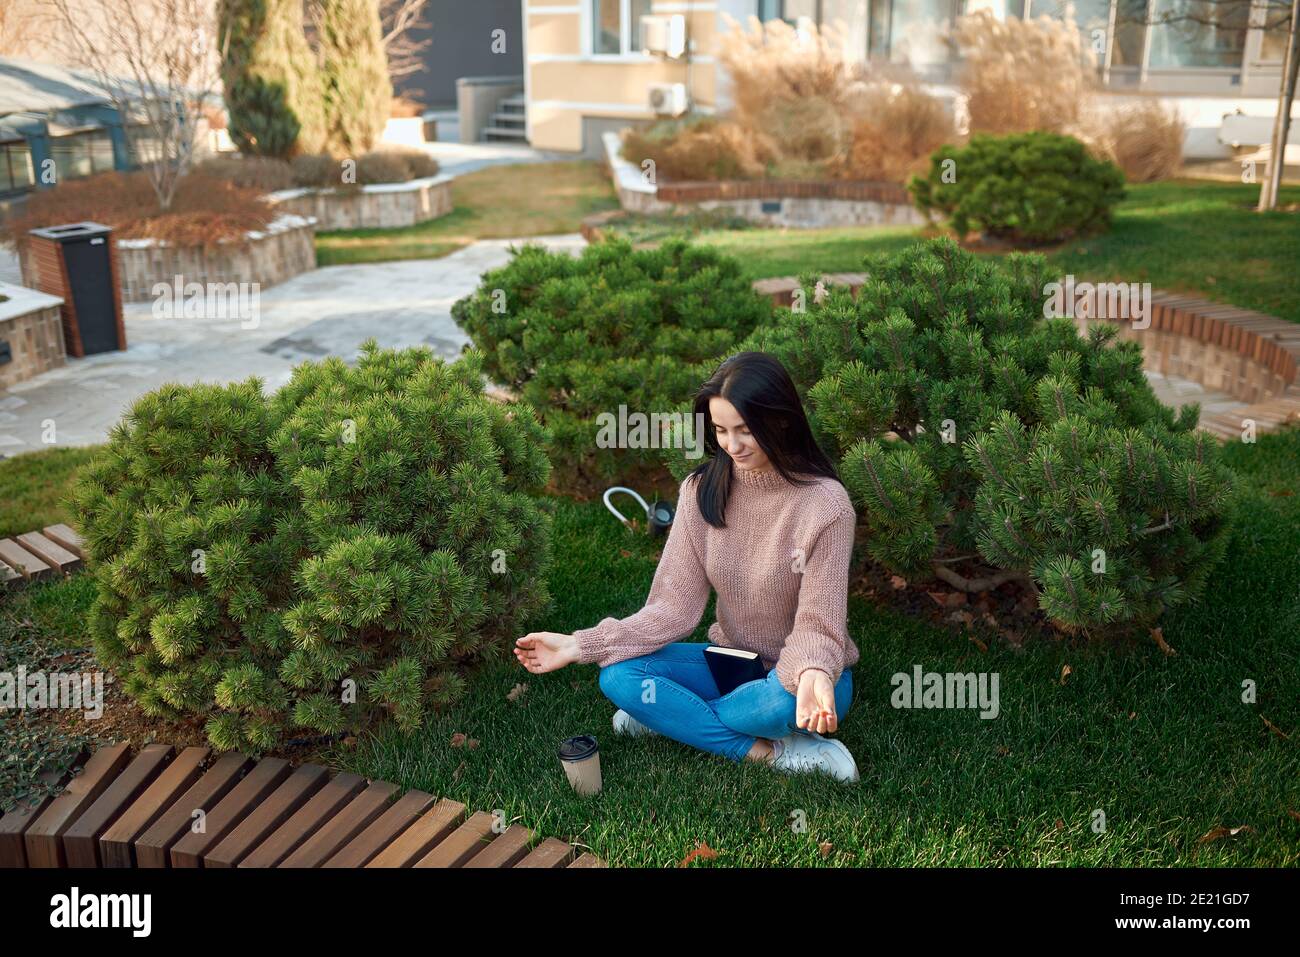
(565, 81)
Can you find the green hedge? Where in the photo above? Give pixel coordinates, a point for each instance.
(578, 336)
(364, 529)
(1030, 188)
(982, 442)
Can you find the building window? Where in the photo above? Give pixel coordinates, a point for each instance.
(1130, 33)
(16, 174)
(616, 26)
(1198, 33)
(1274, 18)
(81, 154)
(1092, 17)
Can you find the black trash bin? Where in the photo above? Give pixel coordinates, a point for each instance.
(78, 263)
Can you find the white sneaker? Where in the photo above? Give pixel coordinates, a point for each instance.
(624, 723)
(811, 752)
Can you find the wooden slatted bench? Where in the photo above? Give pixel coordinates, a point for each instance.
(35, 556)
(186, 807)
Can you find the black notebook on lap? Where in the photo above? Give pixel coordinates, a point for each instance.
(732, 667)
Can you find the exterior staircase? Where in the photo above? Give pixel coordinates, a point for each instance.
(508, 124)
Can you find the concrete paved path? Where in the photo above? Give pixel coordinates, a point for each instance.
(328, 311)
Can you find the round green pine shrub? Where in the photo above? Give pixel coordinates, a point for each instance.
(577, 337)
(1029, 188)
(301, 561)
(983, 444)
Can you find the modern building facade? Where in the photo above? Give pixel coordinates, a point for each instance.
(586, 71)
(56, 124)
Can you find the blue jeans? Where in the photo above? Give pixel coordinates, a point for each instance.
(672, 691)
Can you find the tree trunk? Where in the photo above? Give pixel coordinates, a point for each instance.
(1282, 123)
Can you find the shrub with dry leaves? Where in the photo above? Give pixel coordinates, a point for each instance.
(206, 209)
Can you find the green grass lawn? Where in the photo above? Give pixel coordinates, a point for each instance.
(499, 202)
(33, 487)
(1189, 236)
(1163, 746)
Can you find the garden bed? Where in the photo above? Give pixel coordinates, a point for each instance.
(31, 324)
(265, 257)
(376, 206)
(800, 204)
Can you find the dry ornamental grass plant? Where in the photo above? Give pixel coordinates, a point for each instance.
(1021, 75)
(802, 110)
(1143, 139)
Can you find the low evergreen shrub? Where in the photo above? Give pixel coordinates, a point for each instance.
(983, 444)
(1030, 188)
(576, 337)
(299, 562)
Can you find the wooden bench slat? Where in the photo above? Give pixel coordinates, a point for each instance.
(153, 849)
(263, 778)
(507, 850)
(462, 844)
(116, 845)
(319, 809)
(81, 840)
(267, 816)
(419, 838)
(52, 553)
(67, 538)
(44, 837)
(550, 853)
(361, 849)
(588, 860)
(21, 560)
(14, 823)
(359, 814)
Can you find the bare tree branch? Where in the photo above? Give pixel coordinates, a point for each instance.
(158, 63)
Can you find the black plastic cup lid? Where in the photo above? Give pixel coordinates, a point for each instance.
(579, 748)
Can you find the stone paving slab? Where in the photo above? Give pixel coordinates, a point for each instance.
(328, 311)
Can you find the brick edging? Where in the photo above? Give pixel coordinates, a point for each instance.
(698, 191)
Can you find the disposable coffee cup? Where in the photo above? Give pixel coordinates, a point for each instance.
(580, 757)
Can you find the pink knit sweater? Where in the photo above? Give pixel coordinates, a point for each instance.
(791, 613)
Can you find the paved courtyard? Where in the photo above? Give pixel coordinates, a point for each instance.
(328, 311)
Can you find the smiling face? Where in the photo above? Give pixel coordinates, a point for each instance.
(734, 437)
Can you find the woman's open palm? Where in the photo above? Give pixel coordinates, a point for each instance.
(815, 703)
(543, 651)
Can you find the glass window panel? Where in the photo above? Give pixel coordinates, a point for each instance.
(1091, 16)
(794, 9)
(606, 16)
(849, 17)
(1274, 18)
(1198, 33)
(880, 10)
(1130, 30)
(71, 157)
(101, 152)
(915, 34)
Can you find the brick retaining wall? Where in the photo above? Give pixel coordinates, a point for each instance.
(32, 325)
(370, 207)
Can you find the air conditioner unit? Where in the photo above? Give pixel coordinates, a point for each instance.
(664, 35)
(668, 99)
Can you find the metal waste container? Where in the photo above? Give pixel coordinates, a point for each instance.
(78, 263)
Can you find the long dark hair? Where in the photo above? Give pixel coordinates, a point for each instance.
(761, 389)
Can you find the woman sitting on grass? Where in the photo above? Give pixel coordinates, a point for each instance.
(765, 521)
